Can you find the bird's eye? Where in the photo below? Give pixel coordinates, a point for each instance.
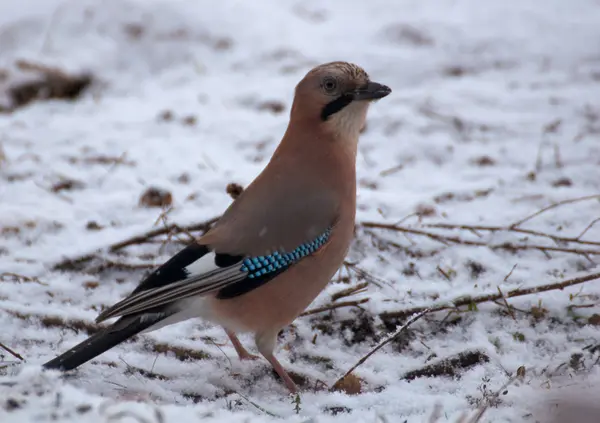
(329, 85)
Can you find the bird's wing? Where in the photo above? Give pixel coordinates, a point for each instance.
(196, 270)
(276, 222)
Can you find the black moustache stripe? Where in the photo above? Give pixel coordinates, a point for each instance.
(335, 106)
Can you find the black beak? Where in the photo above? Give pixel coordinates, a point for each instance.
(371, 91)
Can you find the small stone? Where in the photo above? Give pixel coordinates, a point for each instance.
(11, 404)
(184, 178)
(92, 225)
(562, 182)
(425, 210)
(133, 30)
(484, 161)
(91, 284)
(83, 408)
(165, 116)
(350, 385)
(272, 106)
(234, 190)
(594, 319)
(190, 120)
(156, 197)
(66, 185)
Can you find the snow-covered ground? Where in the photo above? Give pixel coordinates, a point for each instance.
(495, 114)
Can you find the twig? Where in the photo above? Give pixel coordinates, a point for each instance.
(116, 265)
(386, 341)
(444, 274)
(465, 301)
(553, 206)
(587, 228)
(258, 407)
(138, 239)
(15, 277)
(512, 314)
(364, 274)
(509, 274)
(448, 239)
(163, 218)
(349, 291)
(448, 366)
(11, 352)
(554, 238)
(335, 306)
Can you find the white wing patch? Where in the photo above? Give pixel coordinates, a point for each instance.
(203, 265)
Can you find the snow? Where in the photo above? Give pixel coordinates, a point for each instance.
(474, 85)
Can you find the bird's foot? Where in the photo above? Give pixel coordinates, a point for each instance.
(245, 355)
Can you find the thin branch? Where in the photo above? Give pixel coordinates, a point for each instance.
(444, 239)
(505, 302)
(587, 228)
(449, 366)
(444, 274)
(138, 239)
(11, 352)
(509, 274)
(15, 277)
(172, 228)
(554, 238)
(386, 341)
(335, 306)
(467, 300)
(349, 291)
(553, 206)
(449, 239)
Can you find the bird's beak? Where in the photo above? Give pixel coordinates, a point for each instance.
(371, 91)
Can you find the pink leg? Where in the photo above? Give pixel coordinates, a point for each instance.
(242, 352)
(289, 383)
(266, 344)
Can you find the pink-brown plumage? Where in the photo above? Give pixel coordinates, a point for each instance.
(308, 189)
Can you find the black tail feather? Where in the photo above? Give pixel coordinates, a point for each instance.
(102, 341)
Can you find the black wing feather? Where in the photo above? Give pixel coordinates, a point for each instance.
(103, 340)
(247, 284)
(174, 269)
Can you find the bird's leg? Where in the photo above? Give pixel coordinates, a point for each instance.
(242, 352)
(266, 344)
(289, 383)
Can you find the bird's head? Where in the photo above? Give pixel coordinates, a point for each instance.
(336, 96)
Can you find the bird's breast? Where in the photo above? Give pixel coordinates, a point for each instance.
(278, 302)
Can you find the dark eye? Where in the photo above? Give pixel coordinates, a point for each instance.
(329, 84)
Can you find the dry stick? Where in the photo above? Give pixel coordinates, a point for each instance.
(552, 206)
(172, 228)
(386, 341)
(139, 239)
(509, 274)
(15, 277)
(349, 291)
(510, 311)
(444, 274)
(464, 301)
(587, 228)
(446, 239)
(11, 352)
(335, 306)
(554, 238)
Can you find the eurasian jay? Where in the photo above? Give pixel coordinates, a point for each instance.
(277, 245)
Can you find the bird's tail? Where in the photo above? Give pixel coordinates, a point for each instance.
(103, 340)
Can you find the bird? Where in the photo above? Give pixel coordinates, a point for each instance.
(276, 247)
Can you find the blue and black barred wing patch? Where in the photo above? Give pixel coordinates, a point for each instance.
(198, 271)
(262, 269)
